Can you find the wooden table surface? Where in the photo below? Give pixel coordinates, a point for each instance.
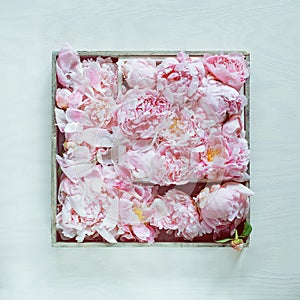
(30, 268)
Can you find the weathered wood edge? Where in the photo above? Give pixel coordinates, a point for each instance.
(53, 155)
(142, 245)
(54, 242)
(153, 53)
(247, 110)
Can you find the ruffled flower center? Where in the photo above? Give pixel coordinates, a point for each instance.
(139, 213)
(212, 153)
(175, 125)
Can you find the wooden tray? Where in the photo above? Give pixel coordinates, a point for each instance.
(57, 140)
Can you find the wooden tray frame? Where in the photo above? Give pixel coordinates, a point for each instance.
(124, 55)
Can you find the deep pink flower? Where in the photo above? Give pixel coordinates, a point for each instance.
(230, 69)
(223, 207)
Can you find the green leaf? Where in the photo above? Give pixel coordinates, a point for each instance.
(247, 230)
(224, 240)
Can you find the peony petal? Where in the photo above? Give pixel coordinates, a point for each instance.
(112, 216)
(98, 137)
(105, 234)
(141, 231)
(61, 120)
(238, 187)
(78, 116)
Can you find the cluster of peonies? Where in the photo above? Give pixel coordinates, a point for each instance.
(175, 121)
(180, 120)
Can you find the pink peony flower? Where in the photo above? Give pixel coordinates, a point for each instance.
(82, 207)
(218, 100)
(76, 162)
(135, 210)
(233, 127)
(141, 233)
(71, 120)
(65, 98)
(101, 112)
(139, 160)
(142, 113)
(102, 76)
(230, 69)
(131, 207)
(180, 127)
(223, 207)
(140, 72)
(179, 78)
(181, 215)
(67, 65)
(221, 158)
(171, 165)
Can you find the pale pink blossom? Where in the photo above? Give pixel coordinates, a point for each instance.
(82, 207)
(219, 100)
(179, 127)
(171, 165)
(139, 160)
(140, 72)
(131, 206)
(142, 113)
(67, 65)
(65, 98)
(181, 215)
(233, 127)
(116, 179)
(101, 112)
(133, 218)
(221, 157)
(76, 163)
(72, 120)
(180, 78)
(138, 233)
(223, 207)
(102, 76)
(183, 127)
(230, 69)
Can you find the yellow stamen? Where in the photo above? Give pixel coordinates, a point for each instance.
(175, 125)
(211, 153)
(139, 213)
